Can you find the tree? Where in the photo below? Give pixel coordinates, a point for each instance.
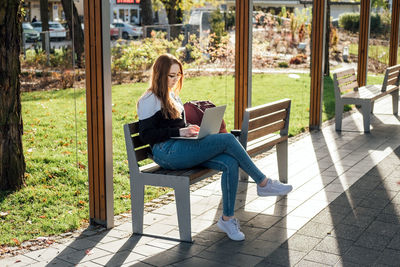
(174, 14)
(76, 29)
(146, 14)
(12, 162)
(44, 18)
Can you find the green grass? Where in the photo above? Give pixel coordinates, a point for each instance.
(377, 52)
(55, 198)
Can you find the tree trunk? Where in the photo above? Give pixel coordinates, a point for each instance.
(44, 18)
(77, 29)
(12, 162)
(327, 38)
(174, 14)
(146, 15)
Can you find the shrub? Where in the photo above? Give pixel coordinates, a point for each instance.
(350, 21)
(380, 24)
(283, 64)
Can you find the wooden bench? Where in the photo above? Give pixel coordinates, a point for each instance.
(347, 92)
(153, 174)
(263, 127)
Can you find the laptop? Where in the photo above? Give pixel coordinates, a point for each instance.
(210, 124)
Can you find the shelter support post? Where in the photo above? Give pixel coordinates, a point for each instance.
(317, 63)
(98, 103)
(243, 55)
(362, 65)
(394, 33)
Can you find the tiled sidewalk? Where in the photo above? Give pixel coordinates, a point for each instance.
(344, 211)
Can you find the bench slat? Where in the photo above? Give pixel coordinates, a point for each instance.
(347, 87)
(137, 142)
(340, 74)
(264, 143)
(259, 132)
(134, 127)
(268, 119)
(268, 108)
(143, 153)
(348, 79)
(192, 173)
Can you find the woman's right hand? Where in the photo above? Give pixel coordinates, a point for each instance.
(191, 130)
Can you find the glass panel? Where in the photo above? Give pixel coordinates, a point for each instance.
(379, 42)
(202, 38)
(55, 138)
(281, 59)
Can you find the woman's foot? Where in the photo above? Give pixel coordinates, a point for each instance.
(231, 228)
(273, 188)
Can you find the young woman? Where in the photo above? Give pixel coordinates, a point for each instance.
(161, 116)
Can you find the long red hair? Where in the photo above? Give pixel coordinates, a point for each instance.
(159, 84)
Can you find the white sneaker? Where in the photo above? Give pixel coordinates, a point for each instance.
(274, 188)
(231, 228)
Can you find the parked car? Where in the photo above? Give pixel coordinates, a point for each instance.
(29, 32)
(114, 32)
(129, 31)
(57, 31)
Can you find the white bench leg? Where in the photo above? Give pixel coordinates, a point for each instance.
(282, 154)
(395, 101)
(339, 106)
(182, 197)
(137, 204)
(366, 112)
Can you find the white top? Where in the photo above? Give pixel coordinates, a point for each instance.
(149, 105)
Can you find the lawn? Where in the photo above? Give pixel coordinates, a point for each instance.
(55, 198)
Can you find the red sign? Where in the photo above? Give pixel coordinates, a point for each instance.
(128, 1)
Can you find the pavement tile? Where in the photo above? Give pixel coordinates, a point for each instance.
(165, 258)
(207, 238)
(188, 249)
(328, 217)
(259, 247)
(322, 257)
(82, 256)
(361, 221)
(315, 229)
(301, 243)
(389, 257)
(334, 245)
(307, 263)
(237, 259)
(361, 256)
(395, 242)
(199, 262)
(277, 234)
(388, 218)
(263, 221)
(53, 262)
(82, 243)
(373, 241)
(20, 260)
(292, 222)
(382, 228)
(283, 257)
(374, 203)
(119, 258)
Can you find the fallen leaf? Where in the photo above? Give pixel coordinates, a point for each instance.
(3, 214)
(42, 216)
(88, 252)
(16, 241)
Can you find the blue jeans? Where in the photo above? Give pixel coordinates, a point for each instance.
(219, 152)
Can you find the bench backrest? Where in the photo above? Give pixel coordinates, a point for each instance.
(391, 77)
(265, 119)
(345, 81)
(136, 149)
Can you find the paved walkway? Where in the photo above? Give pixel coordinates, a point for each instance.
(344, 211)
